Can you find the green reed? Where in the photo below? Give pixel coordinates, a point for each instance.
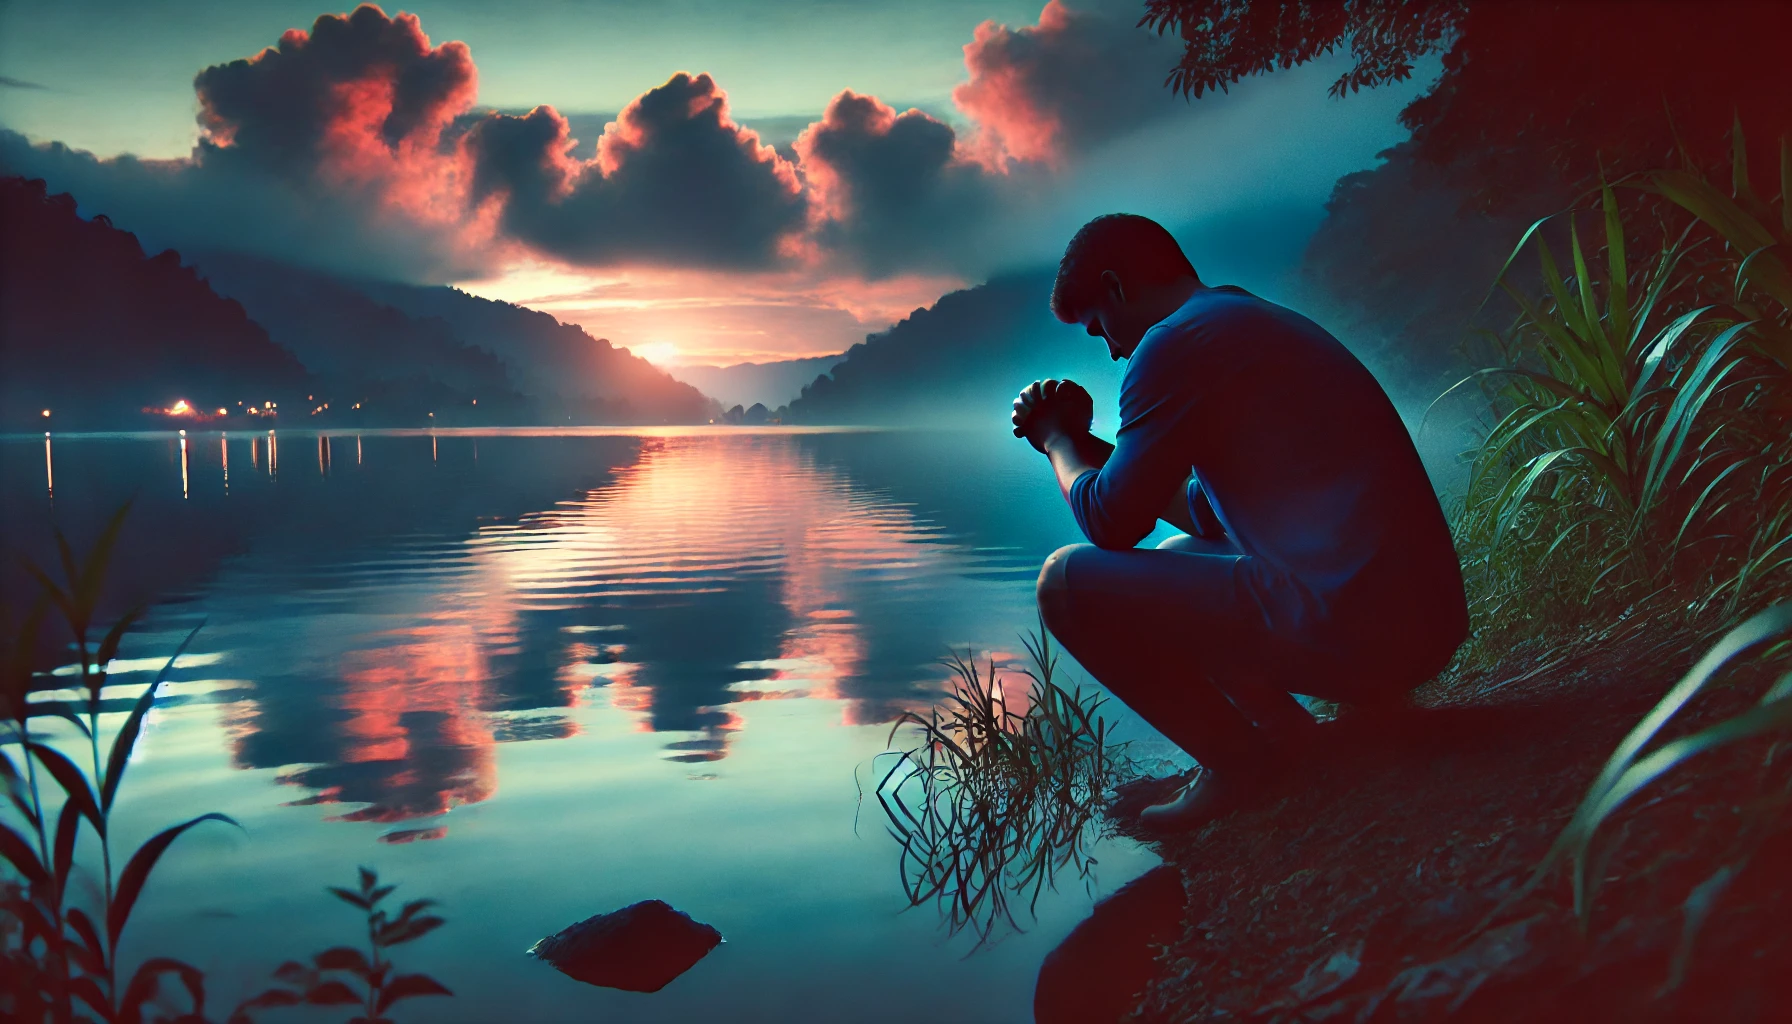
(67, 954)
(1639, 445)
(1639, 762)
(60, 958)
(993, 804)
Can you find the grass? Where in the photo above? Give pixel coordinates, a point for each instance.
(991, 805)
(1638, 440)
(1634, 766)
(1640, 459)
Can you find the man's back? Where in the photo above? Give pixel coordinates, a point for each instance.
(1304, 460)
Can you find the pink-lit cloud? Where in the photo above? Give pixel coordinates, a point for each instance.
(892, 191)
(357, 146)
(1046, 93)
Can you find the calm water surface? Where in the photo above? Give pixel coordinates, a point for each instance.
(539, 676)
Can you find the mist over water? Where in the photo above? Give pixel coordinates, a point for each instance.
(542, 675)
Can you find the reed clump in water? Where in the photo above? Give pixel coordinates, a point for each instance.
(994, 802)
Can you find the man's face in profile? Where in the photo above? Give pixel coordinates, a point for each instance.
(1100, 322)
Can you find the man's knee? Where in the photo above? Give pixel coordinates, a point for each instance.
(1054, 587)
(1197, 545)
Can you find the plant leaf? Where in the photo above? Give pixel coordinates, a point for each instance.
(147, 980)
(93, 573)
(332, 993)
(406, 986)
(130, 882)
(343, 958)
(407, 931)
(348, 897)
(126, 740)
(88, 991)
(73, 783)
(22, 857)
(68, 825)
(89, 936)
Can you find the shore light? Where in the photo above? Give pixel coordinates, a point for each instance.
(46, 414)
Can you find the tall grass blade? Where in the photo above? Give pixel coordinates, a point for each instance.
(136, 872)
(73, 782)
(126, 740)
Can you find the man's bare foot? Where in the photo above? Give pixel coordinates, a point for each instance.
(1206, 799)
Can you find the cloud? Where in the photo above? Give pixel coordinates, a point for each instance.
(9, 82)
(1047, 92)
(674, 181)
(892, 191)
(357, 146)
(196, 205)
(357, 92)
(327, 149)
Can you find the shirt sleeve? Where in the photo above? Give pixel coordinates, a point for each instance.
(1117, 505)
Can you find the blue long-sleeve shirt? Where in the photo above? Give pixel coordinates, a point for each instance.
(1305, 463)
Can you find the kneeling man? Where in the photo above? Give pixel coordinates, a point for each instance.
(1314, 558)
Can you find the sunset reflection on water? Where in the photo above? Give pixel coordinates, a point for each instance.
(700, 573)
(546, 674)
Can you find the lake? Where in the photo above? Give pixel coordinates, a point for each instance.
(539, 675)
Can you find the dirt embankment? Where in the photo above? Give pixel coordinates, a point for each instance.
(1388, 885)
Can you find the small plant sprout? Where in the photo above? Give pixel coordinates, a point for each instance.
(321, 983)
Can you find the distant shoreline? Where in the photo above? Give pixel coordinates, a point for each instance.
(638, 430)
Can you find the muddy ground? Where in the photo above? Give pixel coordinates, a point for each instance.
(1389, 883)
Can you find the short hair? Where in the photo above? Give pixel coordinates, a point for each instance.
(1135, 248)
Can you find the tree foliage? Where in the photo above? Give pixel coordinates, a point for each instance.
(1533, 96)
(1229, 40)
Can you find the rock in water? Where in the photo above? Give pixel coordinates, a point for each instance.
(640, 948)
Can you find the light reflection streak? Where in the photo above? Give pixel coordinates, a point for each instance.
(224, 454)
(49, 468)
(183, 465)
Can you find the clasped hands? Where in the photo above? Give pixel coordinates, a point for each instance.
(1047, 408)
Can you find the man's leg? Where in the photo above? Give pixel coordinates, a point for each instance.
(1152, 627)
(1253, 689)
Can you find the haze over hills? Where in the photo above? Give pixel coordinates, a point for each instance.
(959, 362)
(575, 375)
(472, 344)
(355, 343)
(95, 329)
(106, 336)
(769, 384)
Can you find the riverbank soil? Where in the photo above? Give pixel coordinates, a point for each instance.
(1389, 882)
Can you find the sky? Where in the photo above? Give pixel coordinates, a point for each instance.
(703, 181)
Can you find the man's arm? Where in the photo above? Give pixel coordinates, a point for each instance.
(1074, 454)
(1054, 417)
